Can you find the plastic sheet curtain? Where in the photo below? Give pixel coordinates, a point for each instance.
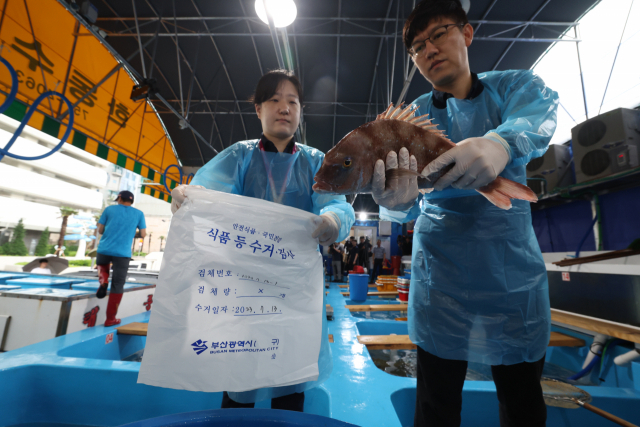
(51, 50)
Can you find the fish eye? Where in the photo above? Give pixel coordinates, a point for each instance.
(347, 162)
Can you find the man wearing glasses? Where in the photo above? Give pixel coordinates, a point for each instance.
(479, 290)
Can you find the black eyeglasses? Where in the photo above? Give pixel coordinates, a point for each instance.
(438, 36)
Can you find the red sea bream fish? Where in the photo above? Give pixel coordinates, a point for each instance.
(348, 167)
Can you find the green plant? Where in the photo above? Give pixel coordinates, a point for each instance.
(42, 248)
(80, 263)
(16, 246)
(65, 213)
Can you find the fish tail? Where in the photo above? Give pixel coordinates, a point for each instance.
(502, 190)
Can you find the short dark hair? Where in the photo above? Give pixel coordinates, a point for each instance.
(269, 83)
(429, 10)
(44, 260)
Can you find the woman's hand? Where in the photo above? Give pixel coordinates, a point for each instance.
(327, 228)
(178, 196)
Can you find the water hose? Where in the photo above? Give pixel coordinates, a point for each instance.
(165, 176)
(611, 343)
(182, 178)
(587, 369)
(5, 151)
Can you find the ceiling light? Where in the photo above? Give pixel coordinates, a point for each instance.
(283, 11)
(362, 216)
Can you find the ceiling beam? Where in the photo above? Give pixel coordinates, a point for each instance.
(375, 36)
(253, 40)
(224, 66)
(335, 93)
(197, 81)
(519, 34)
(157, 67)
(375, 68)
(387, 19)
(253, 113)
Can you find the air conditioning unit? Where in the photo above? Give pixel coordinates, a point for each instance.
(606, 144)
(551, 170)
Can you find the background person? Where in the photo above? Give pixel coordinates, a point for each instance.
(43, 268)
(379, 257)
(117, 225)
(479, 288)
(352, 248)
(336, 251)
(277, 169)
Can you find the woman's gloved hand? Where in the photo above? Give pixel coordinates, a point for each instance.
(327, 228)
(401, 193)
(178, 196)
(478, 161)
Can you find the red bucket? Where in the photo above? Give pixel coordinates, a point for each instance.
(403, 295)
(395, 264)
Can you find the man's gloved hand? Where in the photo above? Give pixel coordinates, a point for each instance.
(478, 161)
(178, 196)
(401, 193)
(327, 228)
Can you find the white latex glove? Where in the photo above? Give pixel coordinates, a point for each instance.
(478, 161)
(178, 196)
(401, 193)
(327, 228)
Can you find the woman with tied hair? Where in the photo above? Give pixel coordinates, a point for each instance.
(276, 168)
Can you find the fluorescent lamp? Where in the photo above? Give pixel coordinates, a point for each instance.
(284, 12)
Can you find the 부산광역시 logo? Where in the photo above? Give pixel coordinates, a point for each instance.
(199, 346)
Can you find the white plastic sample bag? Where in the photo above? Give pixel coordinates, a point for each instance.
(238, 304)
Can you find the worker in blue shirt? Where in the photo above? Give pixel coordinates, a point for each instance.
(479, 290)
(117, 225)
(277, 169)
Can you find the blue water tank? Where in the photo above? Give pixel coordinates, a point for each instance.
(241, 418)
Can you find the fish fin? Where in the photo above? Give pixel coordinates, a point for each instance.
(423, 181)
(501, 190)
(391, 114)
(407, 115)
(384, 113)
(420, 119)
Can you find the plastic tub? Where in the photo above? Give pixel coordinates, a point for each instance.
(387, 282)
(403, 295)
(358, 287)
(385, 286)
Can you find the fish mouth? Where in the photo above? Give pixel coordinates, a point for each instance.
(322, 187)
